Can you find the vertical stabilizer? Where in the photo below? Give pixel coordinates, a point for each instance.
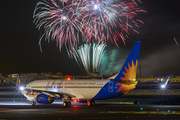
(128, 71)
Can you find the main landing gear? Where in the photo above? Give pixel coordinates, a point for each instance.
(90, 103)
(67, 104)
(33, 103)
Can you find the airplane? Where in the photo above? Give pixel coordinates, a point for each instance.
(46, 91)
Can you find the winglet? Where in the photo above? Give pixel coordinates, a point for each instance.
(128, 71)
(18, 83)
(166, 81)
(19, 86)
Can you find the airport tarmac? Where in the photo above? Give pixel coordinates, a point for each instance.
(101, 112)
(14, 106)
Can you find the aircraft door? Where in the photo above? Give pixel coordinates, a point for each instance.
(110, 88)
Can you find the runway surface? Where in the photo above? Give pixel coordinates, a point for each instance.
(101, 112)
(14, 106)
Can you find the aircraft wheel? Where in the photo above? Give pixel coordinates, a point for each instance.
(65, 104)
(69, 104)
(33, 103)
(91, 103)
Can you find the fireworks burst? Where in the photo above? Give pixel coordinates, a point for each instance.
(95, 20)
(59, 21)
(97, 52)
(109, 19)
(87, 55)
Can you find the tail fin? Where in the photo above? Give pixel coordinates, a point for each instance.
(18, 83)
(128, 71)
(166, 81)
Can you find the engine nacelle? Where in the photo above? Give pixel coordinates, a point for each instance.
(46, 99)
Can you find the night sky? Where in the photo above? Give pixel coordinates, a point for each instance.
(20, 52)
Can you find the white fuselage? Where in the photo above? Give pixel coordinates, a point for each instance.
(81, 89)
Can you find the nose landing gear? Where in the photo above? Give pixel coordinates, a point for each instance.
(33, 103)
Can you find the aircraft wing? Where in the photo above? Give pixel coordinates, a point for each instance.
(165, 82)
(163, 85)
(52, 94)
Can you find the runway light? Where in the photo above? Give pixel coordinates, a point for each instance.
(21, 88)
(141, 108)
(163, 86)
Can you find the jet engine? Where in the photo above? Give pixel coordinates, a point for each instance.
(46, 99)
